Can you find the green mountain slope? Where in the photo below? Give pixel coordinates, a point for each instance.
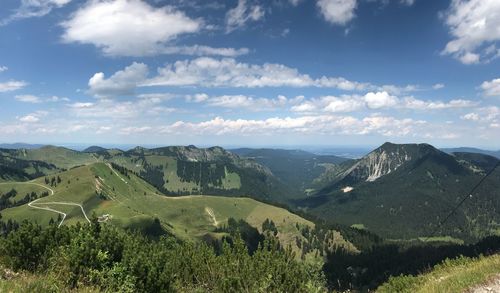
(304, 172)
(128, 201)
(405, 191)
(457, 275)
(188, 170)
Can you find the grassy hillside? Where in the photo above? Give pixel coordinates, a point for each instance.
(455, 275)
(179, 170)
(130, 202)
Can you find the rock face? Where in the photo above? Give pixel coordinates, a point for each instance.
(384, 160)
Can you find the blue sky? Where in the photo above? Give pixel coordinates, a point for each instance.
(256, 73)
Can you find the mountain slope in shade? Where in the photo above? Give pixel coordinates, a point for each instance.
(472, 150)
(302, 171)
(404, 191)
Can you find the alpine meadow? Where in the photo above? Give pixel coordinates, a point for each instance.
(249, 146)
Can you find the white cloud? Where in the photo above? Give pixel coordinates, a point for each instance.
(489, 114)
(198, 98)
(134, 130)
(491, 88)
(127, 27)
(29, 119)
(11, 85)
(330, 104)
(123, 82)
(320, 124)
(28, 99)
(57, 99)
(3, 68)
(380, 100)
(147, 105)
(33, 8)
(295, 2)
(247, 103)
(374, 100)
(198, 50)
(412, 103)
(471, 116)
(438, 86)
(33, 117)
(473, 25)
(338, 12)
(408, 2)
(227, 72)
(238, 16)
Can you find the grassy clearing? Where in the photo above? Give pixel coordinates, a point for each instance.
(455, 275)
(23, 282)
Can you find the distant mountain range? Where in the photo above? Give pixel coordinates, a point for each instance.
(20, 145)
(399, 191)
(472, 150)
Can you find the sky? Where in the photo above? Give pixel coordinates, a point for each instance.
(250, 72)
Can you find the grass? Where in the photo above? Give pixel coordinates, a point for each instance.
(132, 202)
(23, 282)
(59, 156)
(455, 275)
(22, 189)
(173, 182)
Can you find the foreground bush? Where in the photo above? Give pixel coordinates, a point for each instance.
(118, 261)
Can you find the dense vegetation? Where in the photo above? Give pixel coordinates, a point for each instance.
(114, 260)
(374, 266)
(452, 275)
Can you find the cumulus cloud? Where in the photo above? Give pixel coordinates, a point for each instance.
(408, 2)
(380, 100)
(227, 72)
(3, 68)
(491, 88)
(247, 103)
(438, 86)
(123, 82)
(412, 103)
(489, 114)
(28, 99)
(473, 24)
(12, 85)
(146, 105)
(33, 8)
(135, 28)
(238, 16)
(318, 124)
(338, 12)
(375, 101)
(33, 117)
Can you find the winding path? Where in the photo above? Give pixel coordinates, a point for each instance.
(33, 204)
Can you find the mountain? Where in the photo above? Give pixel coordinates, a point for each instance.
(472, 150)
(94, 149)
(60, 157)
(405, 191)
(123, 199)
(20, 145)
(184, 170)
(302, 171)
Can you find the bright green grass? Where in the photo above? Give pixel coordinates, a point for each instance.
(61, 157)
(22, 189)
(455, 275)
(132, 202)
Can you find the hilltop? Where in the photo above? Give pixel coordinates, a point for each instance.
(404, 191)
(122, 199)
